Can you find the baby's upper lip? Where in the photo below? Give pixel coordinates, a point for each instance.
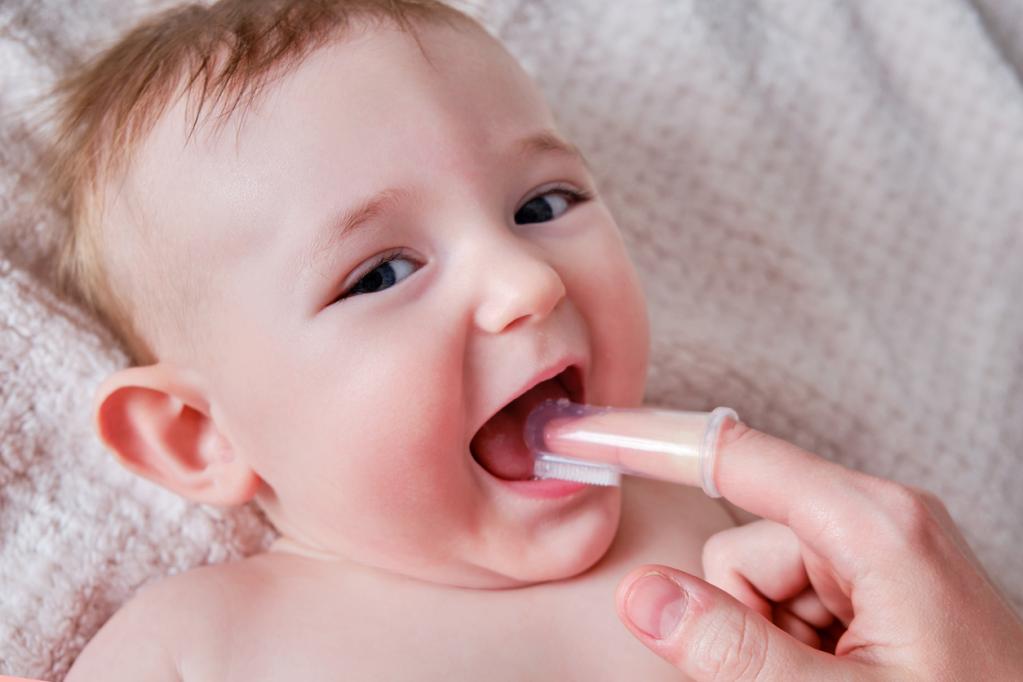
(549, 371)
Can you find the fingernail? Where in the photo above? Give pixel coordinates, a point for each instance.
(655, 605)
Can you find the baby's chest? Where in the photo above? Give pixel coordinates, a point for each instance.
(417, 644)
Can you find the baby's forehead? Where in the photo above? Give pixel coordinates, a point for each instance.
(367, 59)
(352, 115)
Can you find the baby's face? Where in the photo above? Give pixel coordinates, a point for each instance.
(354, 388)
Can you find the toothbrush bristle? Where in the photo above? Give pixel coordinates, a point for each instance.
(577, 473)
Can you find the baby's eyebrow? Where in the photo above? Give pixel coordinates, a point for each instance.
(548, 141)
(349, 221)
(345, 223)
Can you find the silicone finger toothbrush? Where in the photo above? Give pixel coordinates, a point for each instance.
(596, 445)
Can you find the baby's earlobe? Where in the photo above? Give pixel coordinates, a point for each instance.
(233, 483)
(225, 453)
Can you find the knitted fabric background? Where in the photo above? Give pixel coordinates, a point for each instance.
(822, 198)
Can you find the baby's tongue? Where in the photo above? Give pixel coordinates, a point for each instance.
(498, 445)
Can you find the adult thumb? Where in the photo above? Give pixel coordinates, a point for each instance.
(709, 635)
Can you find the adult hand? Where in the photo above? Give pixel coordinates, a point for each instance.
(849, 577)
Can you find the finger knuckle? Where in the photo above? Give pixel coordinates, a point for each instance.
(908, 512)
(717, 550)
(933, 502)
(735, 432)
(733, 647)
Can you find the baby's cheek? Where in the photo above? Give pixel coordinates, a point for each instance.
(619, 322)
(409, 454)
(397, 509)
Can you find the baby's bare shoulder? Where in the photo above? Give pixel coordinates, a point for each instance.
(161, 632)
(134, 644)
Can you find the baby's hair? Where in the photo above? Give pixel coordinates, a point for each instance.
(218, 57)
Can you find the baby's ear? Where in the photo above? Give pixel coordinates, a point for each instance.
(157, 421)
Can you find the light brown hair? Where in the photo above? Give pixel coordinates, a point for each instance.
(218, 56)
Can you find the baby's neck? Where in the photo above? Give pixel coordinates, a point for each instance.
(287, 545)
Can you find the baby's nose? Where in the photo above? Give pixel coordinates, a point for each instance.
(516, 285)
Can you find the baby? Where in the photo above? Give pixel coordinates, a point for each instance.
(348, 250)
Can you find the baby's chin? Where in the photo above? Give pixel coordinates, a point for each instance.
(563, 552)
(564, 568)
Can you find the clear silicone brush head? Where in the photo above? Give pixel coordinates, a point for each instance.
(552, 465)
(596, 445)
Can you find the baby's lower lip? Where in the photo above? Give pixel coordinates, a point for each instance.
(544, 489)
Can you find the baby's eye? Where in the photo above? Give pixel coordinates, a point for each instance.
(388, 271)
(548, 206)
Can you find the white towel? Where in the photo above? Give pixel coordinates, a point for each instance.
(823, 200)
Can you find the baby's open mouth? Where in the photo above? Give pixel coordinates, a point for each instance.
(499, 447)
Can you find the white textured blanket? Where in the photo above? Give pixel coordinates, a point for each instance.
(823, 198)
